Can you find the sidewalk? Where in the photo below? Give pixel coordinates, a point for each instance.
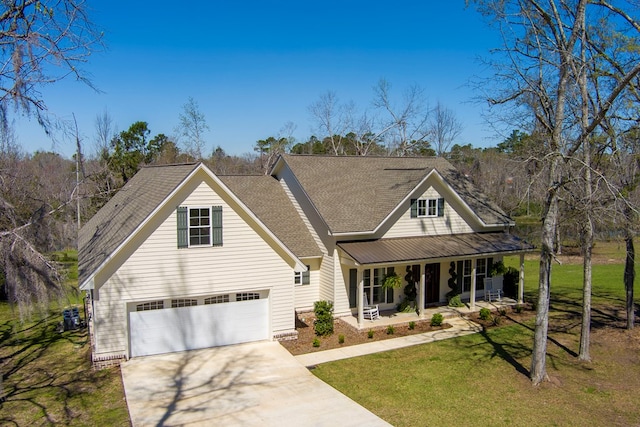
(459, 327)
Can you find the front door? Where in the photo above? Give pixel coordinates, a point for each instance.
(432, 284)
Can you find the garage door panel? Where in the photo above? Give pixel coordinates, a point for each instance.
(189, 328)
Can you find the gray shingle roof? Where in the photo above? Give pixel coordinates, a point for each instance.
(355, 194)
(266, 198)
(124, 212)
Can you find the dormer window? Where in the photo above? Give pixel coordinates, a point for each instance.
(427, 208)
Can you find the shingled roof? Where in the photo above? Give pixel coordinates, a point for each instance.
(124, 212)
(266, 198)
(355, 194)
(134, 202)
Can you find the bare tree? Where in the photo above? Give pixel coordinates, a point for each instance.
(192, 127)
(444, 128)
(540, 72)
(333, 120)
(406, 129)
(42, 43)
(105, 131)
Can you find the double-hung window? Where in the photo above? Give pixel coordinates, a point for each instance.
(199, 226)
(302, 278)
(426, 208)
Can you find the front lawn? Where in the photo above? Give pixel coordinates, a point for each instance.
(482, 379)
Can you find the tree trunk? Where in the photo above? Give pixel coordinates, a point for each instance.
(539, 357)
(629, 277)
(585, 331)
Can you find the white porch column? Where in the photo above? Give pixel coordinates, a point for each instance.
(521, 281)
(360, 297)
(472, 300)
(421, 291)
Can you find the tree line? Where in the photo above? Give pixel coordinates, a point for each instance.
(566, 78)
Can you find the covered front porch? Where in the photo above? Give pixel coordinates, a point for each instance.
(394, 317)
(434, 265)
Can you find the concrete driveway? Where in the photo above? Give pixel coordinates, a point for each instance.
(247, 384)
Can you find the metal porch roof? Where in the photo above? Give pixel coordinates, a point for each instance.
(432, 247)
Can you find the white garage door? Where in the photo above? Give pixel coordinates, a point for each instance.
(189, 328)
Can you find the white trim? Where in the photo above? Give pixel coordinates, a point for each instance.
(208, 208)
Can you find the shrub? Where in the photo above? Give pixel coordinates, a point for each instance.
(316, 342)
(437, 319)
(412, 325)
(455, 301)
(324, 317)
(340, 339)
(485, 313)
(502, 311)
(390, 330)
(496, 320)
(519, 308)
(405, 306)
(370, 333)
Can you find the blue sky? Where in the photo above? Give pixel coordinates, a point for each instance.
(252, 66)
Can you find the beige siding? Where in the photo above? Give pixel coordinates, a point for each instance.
(156, 269)
(306, 295)
(341, 288)
(327, 272)
(451, 223)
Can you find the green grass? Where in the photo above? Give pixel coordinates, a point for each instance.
(482, 379)
(48, 379)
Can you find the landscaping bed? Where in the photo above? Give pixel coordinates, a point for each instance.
(352, 336)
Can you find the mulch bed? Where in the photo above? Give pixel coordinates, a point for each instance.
(352, 336)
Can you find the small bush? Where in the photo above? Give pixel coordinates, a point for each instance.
(496, 320)
(519, 308)
(370, 333)
(390, 330)
(324, 317)
(412, 325)
(455, 301)
(316, 342)
(437, 319)
(485, 313)
(502, 312)
(340, 339)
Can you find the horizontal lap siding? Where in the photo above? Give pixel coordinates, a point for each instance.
(306, 295)
(341, 292)
(157, 270)
(450, 223)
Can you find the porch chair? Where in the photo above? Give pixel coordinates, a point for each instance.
(491, 291)
(370, 312)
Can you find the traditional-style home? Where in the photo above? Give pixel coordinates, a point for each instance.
(181, 258)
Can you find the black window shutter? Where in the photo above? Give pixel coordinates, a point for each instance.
(440, 206)
(306, 278)
(183, 228)
(414, 208)
(216, 225)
